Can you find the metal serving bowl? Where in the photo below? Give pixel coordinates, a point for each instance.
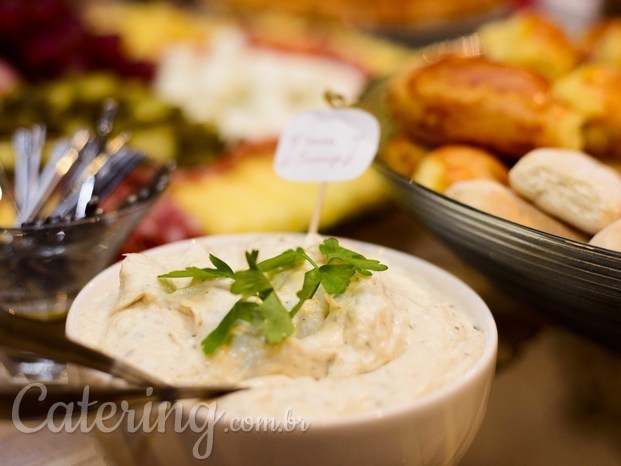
(576, 283)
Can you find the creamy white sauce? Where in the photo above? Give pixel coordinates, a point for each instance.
(389, 339)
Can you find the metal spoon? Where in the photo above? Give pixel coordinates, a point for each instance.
(58, 167)
(33, 336)
(81, 190)
(23, 334)
(37, 401)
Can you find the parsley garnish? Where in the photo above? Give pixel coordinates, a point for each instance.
(333, 251)
(259, 304)
(222, 270)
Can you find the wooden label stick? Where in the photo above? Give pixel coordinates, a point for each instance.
(324, 146)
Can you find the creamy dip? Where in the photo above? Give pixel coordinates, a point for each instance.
(388, 339)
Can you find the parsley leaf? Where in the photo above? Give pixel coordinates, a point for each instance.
(277, 323)
(251, 258)
(251, 282)
(289, 258)
(222, 270)
(335, 278)
(241, 310)
(333, 250)
(221, 266)
(312, 281)
(275, 320)
(259, 303)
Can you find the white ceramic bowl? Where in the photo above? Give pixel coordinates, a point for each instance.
(436, 428)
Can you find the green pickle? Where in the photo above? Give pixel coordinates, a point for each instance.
(156, 127)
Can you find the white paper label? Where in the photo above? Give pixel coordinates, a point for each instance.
(327, 145)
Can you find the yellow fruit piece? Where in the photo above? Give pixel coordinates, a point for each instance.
(158, 142)
(7, 215)
(147, 30)
(530, 41)
(251, 197)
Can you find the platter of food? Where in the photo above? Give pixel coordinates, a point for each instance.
(509, 157)
(181, 96)
(414, 22)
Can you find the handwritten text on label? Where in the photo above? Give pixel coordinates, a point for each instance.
(327, 145)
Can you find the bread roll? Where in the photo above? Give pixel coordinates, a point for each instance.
(594, 91)
(450, 164)
(569, 185)
(496, 199)
(609, 237)
(602, 43)
(402, 155)
(531, 41)
(475, 101)
(366, 12)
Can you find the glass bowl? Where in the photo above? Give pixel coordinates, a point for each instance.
(43, 267)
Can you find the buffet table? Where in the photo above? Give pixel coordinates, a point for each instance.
(555, 399)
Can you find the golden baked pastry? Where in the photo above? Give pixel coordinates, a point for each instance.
(402, 154)
(476, 101)
(450, 164)
(595, 91)
(370, 12)
(602, 43)
(136, 22)
(531, 41)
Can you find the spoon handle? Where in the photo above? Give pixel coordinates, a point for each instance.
(34, 336)
(39, 401)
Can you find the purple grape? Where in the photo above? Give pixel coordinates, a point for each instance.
(45, 39)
